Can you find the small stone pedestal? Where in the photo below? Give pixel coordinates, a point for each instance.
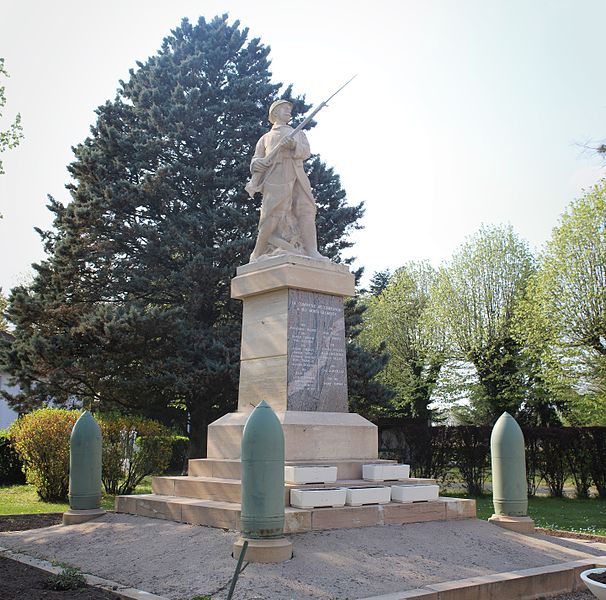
(517, 524)
(264, 551)
(75, 517)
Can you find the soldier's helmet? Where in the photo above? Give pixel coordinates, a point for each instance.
(275, 105)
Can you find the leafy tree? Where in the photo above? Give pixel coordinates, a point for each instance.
(9, 138)
(400, 317)
(476, 296)
(564, 320)
(131, 308)
(368, 396)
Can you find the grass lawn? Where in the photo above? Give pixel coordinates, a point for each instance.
(568, 514)
(22, 499)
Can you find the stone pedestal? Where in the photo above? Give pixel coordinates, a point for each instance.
(264, 551)
(75, 517)
(293, 334)
(293, 357)
(517, 524)
(308, 436)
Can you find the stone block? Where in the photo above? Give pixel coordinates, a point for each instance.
(308, 436)
(226, 490)
(357, 496)
(296, 520)
(159, 507)
(418, 594)
(299, 474)
(346, 517)
(264, 551)
(164, 486)
(385, 472)
(459, 508)
(414, 493)
(417, 512)
(125, 504)
(298, 272)
(264, 325)
(263, 379)
(199, 467)
(517, 524)
(318, 497)
(77, 516)
(213, 514)
(550, 580)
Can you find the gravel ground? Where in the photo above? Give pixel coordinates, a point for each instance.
(178, 560)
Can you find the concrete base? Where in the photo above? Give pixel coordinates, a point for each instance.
(73, 517)
(517, 524)
(308, 436)
(264, 551)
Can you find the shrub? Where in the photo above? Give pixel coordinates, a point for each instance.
(597, 436)
(133, 447)
(11, 467)
(70, 578)
(552, 463)
(471, 456)
(428, 450)
(578, 455)
(41, 439)
(178, 458)
(533, 450)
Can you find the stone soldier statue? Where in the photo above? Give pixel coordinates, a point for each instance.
(288, 212)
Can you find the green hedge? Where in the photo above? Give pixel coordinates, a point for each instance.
(553, 454)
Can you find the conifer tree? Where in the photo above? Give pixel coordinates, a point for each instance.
(131, 307)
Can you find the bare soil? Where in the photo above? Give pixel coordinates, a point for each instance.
(25, 522)
(599, 577)
(28, 583)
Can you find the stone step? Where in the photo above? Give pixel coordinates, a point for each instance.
(201, 488)
(228, 490)
(226, 468)
(226, 515)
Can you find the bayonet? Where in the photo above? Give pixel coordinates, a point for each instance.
(253, 185)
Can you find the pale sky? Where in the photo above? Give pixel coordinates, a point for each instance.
(464, 111)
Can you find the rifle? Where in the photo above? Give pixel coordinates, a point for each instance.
(253, 186)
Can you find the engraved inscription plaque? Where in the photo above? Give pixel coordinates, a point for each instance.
(316, 368)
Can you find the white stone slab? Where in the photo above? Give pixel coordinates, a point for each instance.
(385, 472)
(357, 496)
(414, 493)
(317, 498)
(310, 474)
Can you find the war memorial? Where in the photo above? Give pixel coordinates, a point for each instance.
(330, 484)
(293, 357)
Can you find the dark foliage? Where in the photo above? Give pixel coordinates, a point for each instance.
(428, 450)
(11, 468)
(132, 309)
(472, 456)
(552, 454)
(598, 452)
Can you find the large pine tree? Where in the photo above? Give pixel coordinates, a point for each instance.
(131, 308)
